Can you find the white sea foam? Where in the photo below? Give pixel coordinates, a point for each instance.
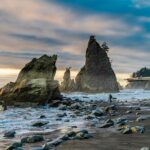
(123, 95)
(21, 120)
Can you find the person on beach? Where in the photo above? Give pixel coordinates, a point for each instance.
(110, 98)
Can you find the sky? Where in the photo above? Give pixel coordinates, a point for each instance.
(31, 28)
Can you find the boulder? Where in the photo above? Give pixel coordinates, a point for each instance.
(40, 123)
(15, 146)
(98, 112)
(97, 75)
(61, 115)
(141, 118)
(52, 144)
(44, 67)
(9, 134)
(108, 123)
(82, 135)
(35, 83)
(121, 120)
(62, 107)
(127, 131)
(79, 135)
(32, 139)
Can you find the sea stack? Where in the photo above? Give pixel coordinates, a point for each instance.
(68, 84)
(97, 74)
(35, 83)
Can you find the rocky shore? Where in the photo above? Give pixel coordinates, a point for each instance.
(117, 125)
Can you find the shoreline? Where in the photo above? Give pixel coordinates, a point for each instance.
(107, 137)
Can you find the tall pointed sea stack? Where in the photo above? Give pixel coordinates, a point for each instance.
(97, 75)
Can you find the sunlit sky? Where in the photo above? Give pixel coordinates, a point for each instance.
(30, 28)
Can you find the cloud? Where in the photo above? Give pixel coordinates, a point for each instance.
(141, 3)
(144, 19)
(33, 27)
(45, 40)
(126, 60)
(19, 59)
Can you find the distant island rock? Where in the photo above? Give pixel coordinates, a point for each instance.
(35, 83)
(140, 79)
(97, 74)
(143, 72)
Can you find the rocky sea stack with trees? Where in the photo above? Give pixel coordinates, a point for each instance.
(140, 79)
(96, 75)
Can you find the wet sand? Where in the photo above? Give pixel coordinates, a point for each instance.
(109, 139)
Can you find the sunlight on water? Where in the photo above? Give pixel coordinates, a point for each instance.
(9, 75)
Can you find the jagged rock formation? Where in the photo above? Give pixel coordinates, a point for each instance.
(97, 74)
(68, 83)
(44, 67)
(35, 83)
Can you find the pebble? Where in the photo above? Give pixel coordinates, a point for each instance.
(42, 116)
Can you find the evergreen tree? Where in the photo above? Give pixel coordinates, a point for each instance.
(105, 47)
(144, 72)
